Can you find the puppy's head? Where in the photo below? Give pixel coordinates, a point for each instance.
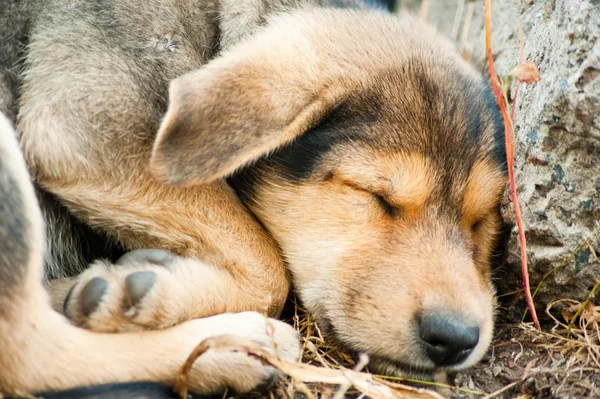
(372, 154)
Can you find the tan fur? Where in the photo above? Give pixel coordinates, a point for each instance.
(366, 273)
(50, 354)
(272, 116)
(482, 193)
(104, 179)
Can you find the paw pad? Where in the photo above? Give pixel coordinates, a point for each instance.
(131, 295)
(92, 294)
(138, 284)
(154, 256)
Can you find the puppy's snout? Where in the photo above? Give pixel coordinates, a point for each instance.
(448, 338)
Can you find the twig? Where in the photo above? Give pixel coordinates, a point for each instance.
(365, 383)
(521, 61)
(500, 391)
(362, 363)
(424, 11)
(457, 18)
(467, 24)
(430, 383)
(18, 394)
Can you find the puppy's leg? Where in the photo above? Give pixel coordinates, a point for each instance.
(240, 268)
(93, 153)
(42, 351)
(142, 292)
(46, 353)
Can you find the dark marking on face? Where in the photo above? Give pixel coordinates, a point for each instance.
(498, 122)
(298, 160)
(406, 109)
(388, 208)
(475, 226)
(500, 247)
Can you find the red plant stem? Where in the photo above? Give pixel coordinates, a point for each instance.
(514, 104)
(510, 157)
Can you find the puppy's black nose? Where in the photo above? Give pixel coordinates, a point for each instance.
(447, 338)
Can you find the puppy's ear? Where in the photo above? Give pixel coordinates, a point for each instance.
(243, 105)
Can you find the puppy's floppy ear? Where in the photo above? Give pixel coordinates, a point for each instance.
(250, 101)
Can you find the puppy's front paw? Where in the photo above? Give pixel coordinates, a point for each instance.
(135, 294)
(216, 371)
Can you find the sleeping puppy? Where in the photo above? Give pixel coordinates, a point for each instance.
(238, 148)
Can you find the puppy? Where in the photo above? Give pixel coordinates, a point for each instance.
(349, 152)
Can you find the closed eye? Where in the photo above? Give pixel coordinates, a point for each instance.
(475, 226)
(388, 208)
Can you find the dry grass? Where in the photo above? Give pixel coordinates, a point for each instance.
(561, 361)
(555, 362)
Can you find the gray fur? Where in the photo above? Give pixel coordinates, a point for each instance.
(70, 244)
(18, 237)
(14, 232)
(15, 20)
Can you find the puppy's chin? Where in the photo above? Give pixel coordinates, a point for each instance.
(396, 368)
(377, 364)
(388, 366)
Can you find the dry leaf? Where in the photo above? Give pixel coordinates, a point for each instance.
(591, 313)
(568, 313)
(526, 72)
(532, 363)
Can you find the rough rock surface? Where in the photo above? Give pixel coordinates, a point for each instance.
(558, 135)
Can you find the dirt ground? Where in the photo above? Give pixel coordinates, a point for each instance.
(521, 363)
(524, 363)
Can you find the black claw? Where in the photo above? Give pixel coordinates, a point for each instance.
(92, 294)
(138, 284)
(154, 256)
